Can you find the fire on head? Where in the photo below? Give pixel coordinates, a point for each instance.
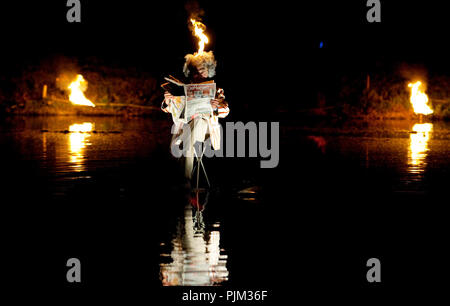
(204, 64)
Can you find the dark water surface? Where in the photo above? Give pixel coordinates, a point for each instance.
(107, 191)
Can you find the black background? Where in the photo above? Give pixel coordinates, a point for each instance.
(254, 41)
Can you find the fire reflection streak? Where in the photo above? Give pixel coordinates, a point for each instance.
(418, 147)
(78, 140)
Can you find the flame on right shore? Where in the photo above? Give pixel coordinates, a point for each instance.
(419, 99)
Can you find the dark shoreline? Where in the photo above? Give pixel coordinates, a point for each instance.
(58, 107)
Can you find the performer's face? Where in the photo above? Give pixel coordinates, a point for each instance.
(203, 72)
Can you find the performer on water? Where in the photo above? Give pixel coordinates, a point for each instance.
(199, 68)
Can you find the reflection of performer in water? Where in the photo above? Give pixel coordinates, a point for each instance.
(195, 254)
(197, 69)
(198, 203)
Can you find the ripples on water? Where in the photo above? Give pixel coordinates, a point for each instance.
(418, 148)
(73, 148)
(194, 256)
(70, 150)
(78, 140)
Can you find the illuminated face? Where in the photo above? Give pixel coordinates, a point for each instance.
(203, 71)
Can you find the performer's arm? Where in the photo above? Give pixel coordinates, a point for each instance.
(222, 109)
(220, 106)
(167, 101)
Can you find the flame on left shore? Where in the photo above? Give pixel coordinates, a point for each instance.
(419, 99)
(199, 28)
(76, 92)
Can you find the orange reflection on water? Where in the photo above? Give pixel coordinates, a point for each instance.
(78, 140)
(418, 147)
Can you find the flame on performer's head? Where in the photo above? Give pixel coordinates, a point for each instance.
(199, 29)
(202, 61)
(77, 88)
(419, 99)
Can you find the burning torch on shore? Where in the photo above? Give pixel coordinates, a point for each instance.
(77, 88)
(419, 100)
(420, 134)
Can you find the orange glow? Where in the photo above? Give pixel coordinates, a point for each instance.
(78, 140)
(418, 146)
(199, 28)
(77, 88)
(419, 99)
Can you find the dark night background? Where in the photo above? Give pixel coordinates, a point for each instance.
(268, 56)
(255, 42)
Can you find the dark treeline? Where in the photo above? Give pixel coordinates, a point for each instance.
(270, 57)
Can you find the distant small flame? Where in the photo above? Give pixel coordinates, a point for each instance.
(77, 88)
(419, 99)
(199, 28)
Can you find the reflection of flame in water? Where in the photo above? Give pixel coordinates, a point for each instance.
(419, 146)
(79, 133)
(196, 258)
(77, 88)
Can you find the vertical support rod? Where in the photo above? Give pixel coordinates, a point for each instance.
(44, 91)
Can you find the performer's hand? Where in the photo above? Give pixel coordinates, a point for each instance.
(168, 97)
(215, 103)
